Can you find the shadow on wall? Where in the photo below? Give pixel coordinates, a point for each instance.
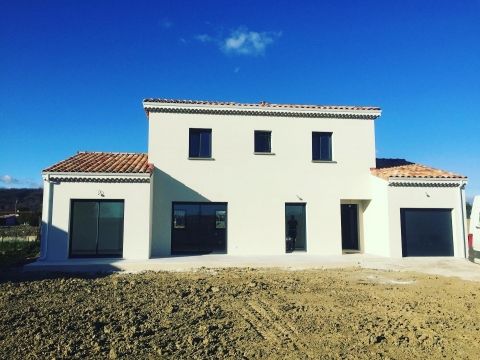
(57, 247)
(171, 189)
(167, 189)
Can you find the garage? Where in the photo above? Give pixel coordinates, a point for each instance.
(426, 232)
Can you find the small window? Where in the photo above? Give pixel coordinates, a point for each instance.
(322, 146)
(200, 143)
(263, 141)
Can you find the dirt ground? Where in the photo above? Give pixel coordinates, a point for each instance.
(241, 313)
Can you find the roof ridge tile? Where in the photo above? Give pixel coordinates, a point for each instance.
(260, 104)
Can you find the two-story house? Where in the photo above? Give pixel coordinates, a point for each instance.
(251, 179)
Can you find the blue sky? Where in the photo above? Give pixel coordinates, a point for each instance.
(73, 73)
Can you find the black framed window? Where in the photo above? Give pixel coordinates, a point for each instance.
(200, 143)
(263, 141)
(96, 228)
(205, 229)
(322, 146)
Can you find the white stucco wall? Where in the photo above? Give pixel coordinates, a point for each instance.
(474, 225)
(256, 187)
(56, 215)
(376, 220)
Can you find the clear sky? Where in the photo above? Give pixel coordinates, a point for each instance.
(73, 73)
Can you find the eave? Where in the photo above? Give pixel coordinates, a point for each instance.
(263, 111)
(97, 177)
(426, 182)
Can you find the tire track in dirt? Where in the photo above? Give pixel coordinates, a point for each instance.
(280, 321)
(256, 323)
(271, 325)
(279, 315)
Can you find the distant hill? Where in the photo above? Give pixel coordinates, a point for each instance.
(28, 200)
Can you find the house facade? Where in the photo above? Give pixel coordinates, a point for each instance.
(251, 179)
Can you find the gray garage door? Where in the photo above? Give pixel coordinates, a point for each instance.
(427, 232)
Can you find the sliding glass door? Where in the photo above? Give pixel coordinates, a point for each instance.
(199, 227)
(96, 228)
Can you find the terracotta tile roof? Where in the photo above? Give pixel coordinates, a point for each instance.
(388, 168)
(103, 162)
(259, 105)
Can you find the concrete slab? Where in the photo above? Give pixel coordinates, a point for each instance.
(460, 268)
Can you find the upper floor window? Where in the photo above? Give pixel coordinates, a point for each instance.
(322, 146)
(263, 141)
(200, 143)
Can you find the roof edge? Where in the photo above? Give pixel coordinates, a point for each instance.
(182, 106)
(97, 174)
(424, 178)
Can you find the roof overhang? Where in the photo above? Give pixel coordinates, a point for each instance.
(97, 177)
(264, 110)
(426, 182)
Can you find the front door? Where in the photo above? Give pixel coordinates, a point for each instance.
(350, 227)
(295, 227)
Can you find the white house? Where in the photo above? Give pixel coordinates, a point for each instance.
(251, 179)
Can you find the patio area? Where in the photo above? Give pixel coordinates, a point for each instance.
(443, 266)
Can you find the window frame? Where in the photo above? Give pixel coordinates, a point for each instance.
(199, 131)
(200, 204)
(255, 150)
(70, 229)
(303, 205)
(320, 134)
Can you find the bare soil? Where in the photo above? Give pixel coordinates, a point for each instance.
(241, 313)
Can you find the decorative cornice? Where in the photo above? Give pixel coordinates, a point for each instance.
(103, 179)
(260, 112)
(424, 184)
